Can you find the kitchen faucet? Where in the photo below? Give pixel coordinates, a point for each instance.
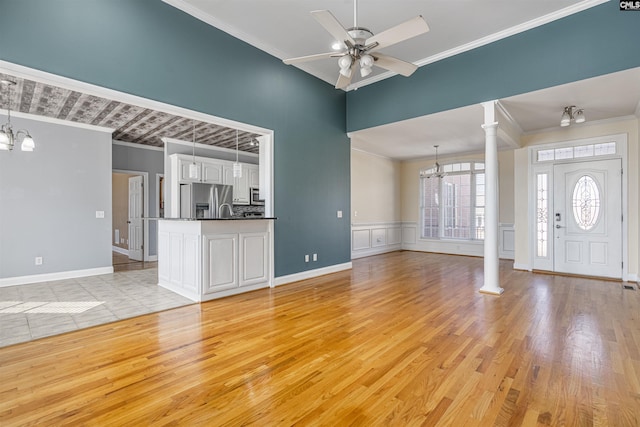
(222, 206)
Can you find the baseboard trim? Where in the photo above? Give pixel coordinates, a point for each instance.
(374, 251)
(310, 274)
(632, 277)
(120, 250)
(48, 277)
(518, 266)
(152, 258)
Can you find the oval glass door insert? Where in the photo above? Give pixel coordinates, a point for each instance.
(586, 203)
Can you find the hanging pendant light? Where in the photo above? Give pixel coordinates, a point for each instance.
(8, 138)
(237, 167)
(193, 167)
(437, 170)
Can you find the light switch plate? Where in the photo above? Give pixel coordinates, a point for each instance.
(339, 214)
(99, 214)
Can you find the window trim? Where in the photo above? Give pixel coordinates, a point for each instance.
(476, 167)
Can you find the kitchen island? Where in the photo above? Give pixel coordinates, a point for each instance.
(204, 259)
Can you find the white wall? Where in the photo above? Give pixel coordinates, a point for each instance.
(375, 204)
(48, 203)
(587, 130)
(375, 188)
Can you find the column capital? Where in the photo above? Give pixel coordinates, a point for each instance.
(488, 126)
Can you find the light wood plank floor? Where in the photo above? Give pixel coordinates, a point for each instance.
(402, 339)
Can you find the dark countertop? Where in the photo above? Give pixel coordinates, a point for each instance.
(217, 219)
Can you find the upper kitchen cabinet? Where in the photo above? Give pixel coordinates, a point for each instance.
(240, 185)
(209, 171)
(253, 171)
(212, 172)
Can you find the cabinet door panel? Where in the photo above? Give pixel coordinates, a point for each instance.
(254, 176)
(184, 171)
(254, 258)
(212, 173)
(220, 262)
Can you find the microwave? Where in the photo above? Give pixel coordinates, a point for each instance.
(254, 196)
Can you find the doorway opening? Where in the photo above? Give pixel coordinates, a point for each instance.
(130, 229)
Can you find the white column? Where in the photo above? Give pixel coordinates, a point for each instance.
(491, 260)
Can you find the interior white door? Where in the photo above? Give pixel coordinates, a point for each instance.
(135, 218)
(587, 222)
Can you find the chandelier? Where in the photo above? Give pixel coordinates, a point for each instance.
(8, 137)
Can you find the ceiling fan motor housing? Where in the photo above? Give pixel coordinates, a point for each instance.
(360, 36)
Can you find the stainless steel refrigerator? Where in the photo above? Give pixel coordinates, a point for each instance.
(202, 201)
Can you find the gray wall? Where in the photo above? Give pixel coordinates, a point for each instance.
(49, 199)
(143, 160)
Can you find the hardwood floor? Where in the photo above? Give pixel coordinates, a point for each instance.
(124, 263)
(403, 339)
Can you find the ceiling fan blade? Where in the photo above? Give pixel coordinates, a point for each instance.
(408, 29)
(331, 24)
(343, 81)
(312, 57)
(394, 64)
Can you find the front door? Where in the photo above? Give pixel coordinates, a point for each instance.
(587, 221)
(135, 218)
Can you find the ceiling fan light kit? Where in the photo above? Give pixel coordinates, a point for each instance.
(572, 113)
(358, 45)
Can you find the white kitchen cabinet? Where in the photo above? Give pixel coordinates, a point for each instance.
(184, 165)
(240, 185)
(208, 259)
(221, 262)
(241, 188)
(254, 176)
(212, 171)
(209, 171)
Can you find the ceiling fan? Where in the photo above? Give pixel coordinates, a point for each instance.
(360, 45)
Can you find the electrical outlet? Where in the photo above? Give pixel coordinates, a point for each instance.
(339, 214)
(122, 240)
(99, 214)
(315, 257)
(306, 258)
(38, 260)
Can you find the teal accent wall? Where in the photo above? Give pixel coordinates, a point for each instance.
(597, 41)
(150, 49)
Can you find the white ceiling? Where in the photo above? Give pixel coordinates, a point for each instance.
(285, 29)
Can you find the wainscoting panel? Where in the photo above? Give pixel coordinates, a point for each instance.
(507, 241)
(411, 242)
(375, 238)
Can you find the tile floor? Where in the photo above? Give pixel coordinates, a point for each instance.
(28, 312)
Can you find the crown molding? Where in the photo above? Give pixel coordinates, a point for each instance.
(223, 26)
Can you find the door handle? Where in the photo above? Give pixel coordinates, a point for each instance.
(559, 226)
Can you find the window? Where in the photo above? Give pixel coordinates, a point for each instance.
(586, 203)
(452, 207)
(576, 152)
